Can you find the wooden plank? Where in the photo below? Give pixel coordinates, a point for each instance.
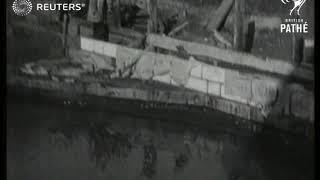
(234, 108)
(214, 88)
(218, 17)
(221, 39)
(117, 12)
(237, 85)
(110, 49)
(125, 32)
(229, 56)
(136, 43)
(250, 36)
(237, 88)
(238, 35)
(197, 84)
(163, 78)
(264, 91)
(145, 60)
(178, 28)
(232, 97)
(197, 71)
(213, 73)
(66, 20)
(153, 16)
(89, 44)
(91, 59)
(303, 104)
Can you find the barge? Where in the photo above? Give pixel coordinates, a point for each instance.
(156, 71)
(156, 82)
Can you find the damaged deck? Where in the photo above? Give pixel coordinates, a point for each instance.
(106, 70)
(171, 66)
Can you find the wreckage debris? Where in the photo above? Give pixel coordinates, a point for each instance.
(191, 73)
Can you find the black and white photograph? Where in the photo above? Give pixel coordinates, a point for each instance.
(160, 90)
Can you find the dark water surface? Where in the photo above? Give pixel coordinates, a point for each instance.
(49, 142)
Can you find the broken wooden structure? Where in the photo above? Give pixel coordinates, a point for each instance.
(164, 71)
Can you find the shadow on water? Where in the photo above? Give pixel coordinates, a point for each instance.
(112, 144)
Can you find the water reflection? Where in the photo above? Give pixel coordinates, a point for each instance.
(104, 143)
(149, 160)
(100, 145)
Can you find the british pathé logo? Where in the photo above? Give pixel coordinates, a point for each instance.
(297, 24)
(297, 4)
(22, 7)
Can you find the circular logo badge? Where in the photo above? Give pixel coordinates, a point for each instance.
(22, 7)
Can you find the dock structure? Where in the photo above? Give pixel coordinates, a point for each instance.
(161, 66)
(257, 96)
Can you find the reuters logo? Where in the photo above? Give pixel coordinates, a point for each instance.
(22, 7)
